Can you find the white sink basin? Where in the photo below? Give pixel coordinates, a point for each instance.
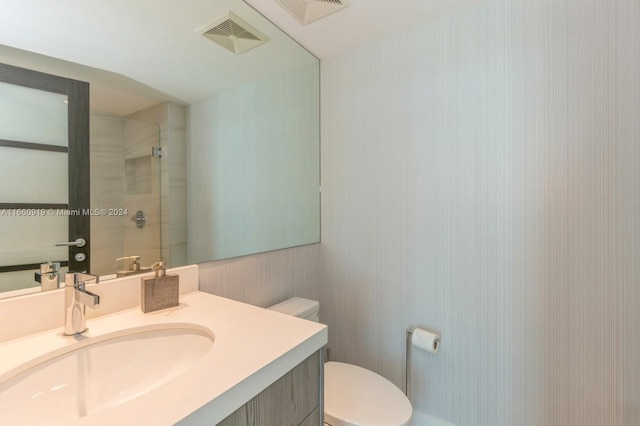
(101, 372)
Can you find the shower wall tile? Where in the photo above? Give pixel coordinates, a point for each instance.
(480, 178)
(107, 183)
(175, 234)
(171, 119)
(139, 137)
(116, 139)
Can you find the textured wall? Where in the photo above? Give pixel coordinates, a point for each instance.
(481, 178)
(267, 278)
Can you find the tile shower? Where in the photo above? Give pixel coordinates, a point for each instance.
(125, 175)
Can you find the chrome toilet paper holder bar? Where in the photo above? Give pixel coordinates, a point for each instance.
(407, 362)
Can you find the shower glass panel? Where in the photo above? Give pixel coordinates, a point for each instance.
(126, 183)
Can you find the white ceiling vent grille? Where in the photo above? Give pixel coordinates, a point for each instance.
(310, 10)
(233, 34)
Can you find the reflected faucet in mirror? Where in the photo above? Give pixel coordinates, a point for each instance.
(133, 268)
(76, 297)
(49, 275)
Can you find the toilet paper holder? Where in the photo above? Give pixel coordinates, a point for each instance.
(422, 339)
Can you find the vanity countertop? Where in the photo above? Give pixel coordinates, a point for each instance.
(253, 347)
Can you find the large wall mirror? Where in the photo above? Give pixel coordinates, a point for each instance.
(203, 137)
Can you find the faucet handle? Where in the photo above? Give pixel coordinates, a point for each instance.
(49, 275)
(87, 278)
(87, 298)
(50, 268)
(73, 279)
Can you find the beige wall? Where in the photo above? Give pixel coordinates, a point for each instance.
(480, 178)
(107, 183)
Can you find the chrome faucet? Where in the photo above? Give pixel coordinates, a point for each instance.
(75, 300)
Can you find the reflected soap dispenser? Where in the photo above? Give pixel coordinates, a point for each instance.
(161, 291)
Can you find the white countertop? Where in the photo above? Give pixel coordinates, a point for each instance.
(253, 347)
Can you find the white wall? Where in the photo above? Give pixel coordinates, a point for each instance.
(481, 177)
(253, 167)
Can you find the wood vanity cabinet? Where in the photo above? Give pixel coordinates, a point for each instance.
(294, 399)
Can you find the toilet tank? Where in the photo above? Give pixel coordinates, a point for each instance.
(299, 307)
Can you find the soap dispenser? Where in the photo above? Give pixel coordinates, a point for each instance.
(161, 291)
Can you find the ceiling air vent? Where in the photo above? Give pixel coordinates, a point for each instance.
(310, 10)
(233, 34)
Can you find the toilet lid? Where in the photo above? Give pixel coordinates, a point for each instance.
(355, 396)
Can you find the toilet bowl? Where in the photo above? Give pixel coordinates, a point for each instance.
(353, 396)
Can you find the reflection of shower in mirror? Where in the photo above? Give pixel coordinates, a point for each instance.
(139, 219)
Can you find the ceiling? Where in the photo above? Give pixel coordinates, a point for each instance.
(148, 51)
(362, 21)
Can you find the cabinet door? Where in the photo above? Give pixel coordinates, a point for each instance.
(291, 400)
(312, 419)
(240, 417)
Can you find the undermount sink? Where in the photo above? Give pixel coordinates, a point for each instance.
(98, 373)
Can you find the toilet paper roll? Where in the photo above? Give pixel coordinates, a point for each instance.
(425, 340)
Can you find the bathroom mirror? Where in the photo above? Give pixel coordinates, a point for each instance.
(211, 144)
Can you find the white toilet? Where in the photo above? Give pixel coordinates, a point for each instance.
(353, 396)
